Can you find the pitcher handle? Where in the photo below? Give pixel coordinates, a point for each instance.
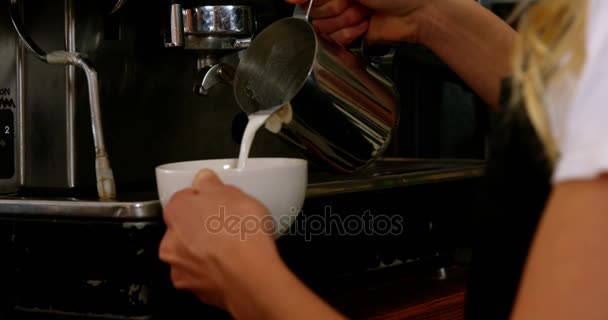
(302, 11)
(367, 51)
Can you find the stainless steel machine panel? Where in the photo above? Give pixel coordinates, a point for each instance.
(48, 131)
(9, 108)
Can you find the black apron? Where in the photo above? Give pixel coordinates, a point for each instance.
(517, 187)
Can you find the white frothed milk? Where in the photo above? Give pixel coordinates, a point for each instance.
(256, 121)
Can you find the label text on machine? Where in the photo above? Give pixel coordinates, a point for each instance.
(5, 99)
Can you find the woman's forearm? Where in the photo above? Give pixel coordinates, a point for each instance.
(565, 272)
(473, 41)
(274, 293)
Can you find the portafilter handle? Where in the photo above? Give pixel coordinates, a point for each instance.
(176, 27)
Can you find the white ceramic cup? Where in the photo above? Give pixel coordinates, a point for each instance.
(278, 183)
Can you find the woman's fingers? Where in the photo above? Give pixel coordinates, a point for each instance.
(329, 9)
(389, 5)
(340, 20)
(348, 35)
(166, 250)
(352, 16)
(387, 28)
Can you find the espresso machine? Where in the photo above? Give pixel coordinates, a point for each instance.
(95, 94)
(138, 70)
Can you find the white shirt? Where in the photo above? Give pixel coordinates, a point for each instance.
(578, 107)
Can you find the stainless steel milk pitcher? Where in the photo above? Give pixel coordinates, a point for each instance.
(343, 109)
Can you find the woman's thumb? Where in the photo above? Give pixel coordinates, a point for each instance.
(206, 180)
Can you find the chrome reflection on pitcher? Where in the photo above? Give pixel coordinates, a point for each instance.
(344, 109)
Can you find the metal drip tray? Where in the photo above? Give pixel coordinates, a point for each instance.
(395, 167)
(384, 174)
(393, 173)
(128, 209)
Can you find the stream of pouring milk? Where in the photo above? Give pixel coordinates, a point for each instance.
(256, 121)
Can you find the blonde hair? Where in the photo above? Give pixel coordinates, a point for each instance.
(551, 43)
